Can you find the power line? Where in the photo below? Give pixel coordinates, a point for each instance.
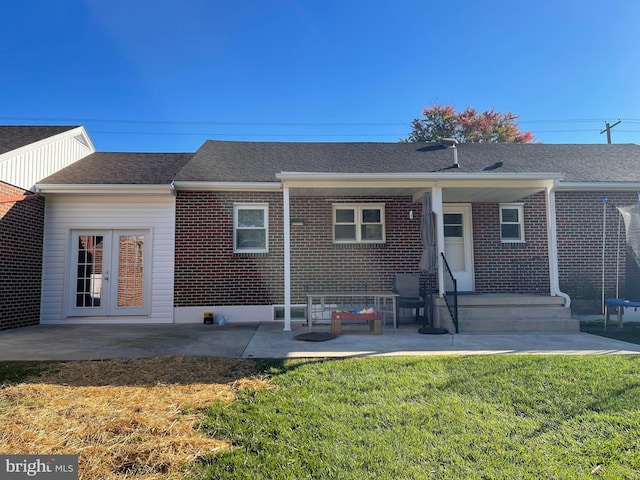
(219, 134)
(225, 123)
(258, 123)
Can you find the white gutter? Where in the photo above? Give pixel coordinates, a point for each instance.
(103, 189)
(596, 186)
(435, 176)
(189, 186)
(552, 240)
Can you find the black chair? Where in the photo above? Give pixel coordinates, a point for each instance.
(407, 286)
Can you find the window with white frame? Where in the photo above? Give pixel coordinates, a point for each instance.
(251, 228)
(358, 223)
(512, 222)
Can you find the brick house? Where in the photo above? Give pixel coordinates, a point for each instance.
(241, 228)
(27, 155)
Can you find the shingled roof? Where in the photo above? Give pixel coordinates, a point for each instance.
(226, 161)
(126, 168)
(13, 137)
(260, 161)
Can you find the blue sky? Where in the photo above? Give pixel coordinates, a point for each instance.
(165, 75)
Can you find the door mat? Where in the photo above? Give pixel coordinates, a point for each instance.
(315, 336)
(433, 331)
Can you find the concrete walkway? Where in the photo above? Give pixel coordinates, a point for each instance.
(268, 340)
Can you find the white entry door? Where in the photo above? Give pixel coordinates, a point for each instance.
(109, 274)
(458, 244)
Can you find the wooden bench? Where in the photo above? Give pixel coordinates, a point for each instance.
(374, 319)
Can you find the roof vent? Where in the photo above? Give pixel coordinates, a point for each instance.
(451, 143)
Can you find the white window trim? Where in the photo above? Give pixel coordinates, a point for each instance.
(358, 207)
(251, 206)
(520, 208)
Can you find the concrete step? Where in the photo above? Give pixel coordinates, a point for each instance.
(487, 325)
(508, 313)
(513, 312)
(503, 299)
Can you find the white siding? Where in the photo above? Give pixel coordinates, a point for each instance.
(66, 212)
(30, 165)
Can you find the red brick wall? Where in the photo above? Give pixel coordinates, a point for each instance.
(319, 265)
(209, 273)
(580, 222)
(511, 267)
(21, 234)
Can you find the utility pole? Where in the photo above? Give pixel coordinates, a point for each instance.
(607, 128)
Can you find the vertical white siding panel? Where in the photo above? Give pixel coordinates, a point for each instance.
(28, 168)
(67, 212)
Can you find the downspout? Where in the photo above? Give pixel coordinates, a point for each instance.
(552, 237)
(287, 258)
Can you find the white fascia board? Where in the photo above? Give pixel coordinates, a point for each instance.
(417, 180)
(45, 141)
(103, 189)
(597, 186)
(188, 186)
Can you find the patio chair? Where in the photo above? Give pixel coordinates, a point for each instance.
(407, 286)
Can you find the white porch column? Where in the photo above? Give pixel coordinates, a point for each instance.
(287, 258)
(552, 241)
(436, 208)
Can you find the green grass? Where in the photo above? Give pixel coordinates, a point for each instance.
(630, 331)
(496, 417)
(13, 372)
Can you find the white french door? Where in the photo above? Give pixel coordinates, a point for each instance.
(458, 244)
(109, 273)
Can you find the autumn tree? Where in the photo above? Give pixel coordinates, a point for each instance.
(467, 126)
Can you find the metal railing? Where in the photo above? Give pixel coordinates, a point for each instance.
(451, 296)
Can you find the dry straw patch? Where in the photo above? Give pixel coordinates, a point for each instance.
(129, 419)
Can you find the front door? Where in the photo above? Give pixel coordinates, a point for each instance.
(109, 274)
(458, 243)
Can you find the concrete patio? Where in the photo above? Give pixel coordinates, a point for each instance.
(268, 340)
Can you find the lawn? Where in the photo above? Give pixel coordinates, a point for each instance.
(474, 417)
(630, 332)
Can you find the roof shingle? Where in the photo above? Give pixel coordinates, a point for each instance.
(226, 161)
(121, 168)
(13, 137)
(261, 161)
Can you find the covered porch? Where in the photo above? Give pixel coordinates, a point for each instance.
(459, 205)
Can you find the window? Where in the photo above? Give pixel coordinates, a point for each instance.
(358, 223)
(251, 228)
(453, 226)
(512, 223)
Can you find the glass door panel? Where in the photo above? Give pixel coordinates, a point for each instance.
(109, 274)
(130, 271)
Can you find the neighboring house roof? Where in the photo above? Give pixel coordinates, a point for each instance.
(220, 161)
(246, 162)
(13, 137)
(110, 168)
